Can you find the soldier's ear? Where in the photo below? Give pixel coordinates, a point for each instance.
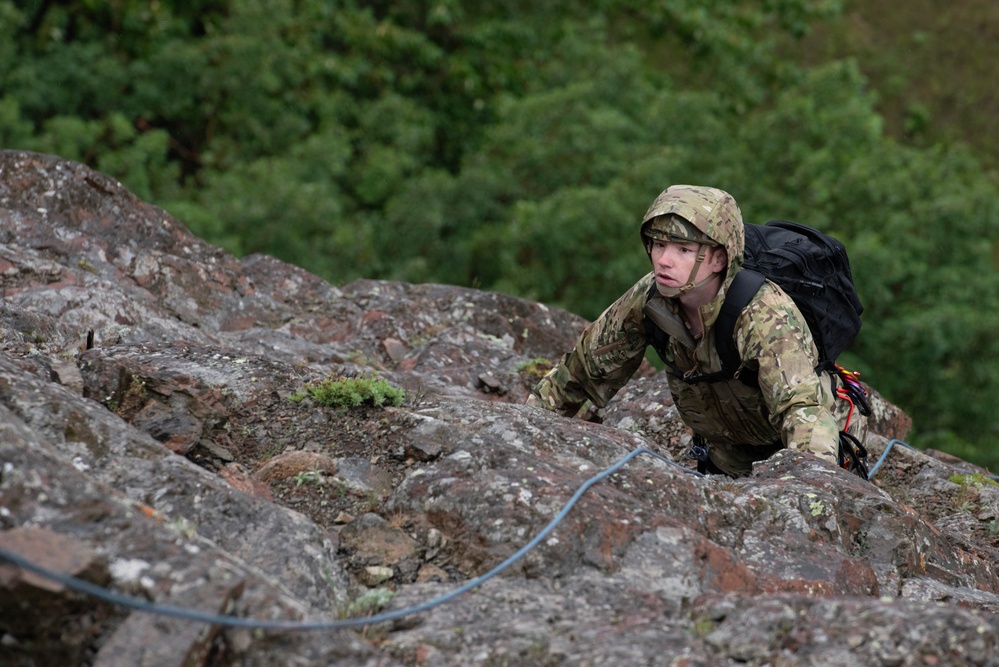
(719, 259)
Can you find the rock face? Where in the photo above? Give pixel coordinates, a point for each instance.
(157, 440)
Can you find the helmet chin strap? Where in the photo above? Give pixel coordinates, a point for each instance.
(691, 284)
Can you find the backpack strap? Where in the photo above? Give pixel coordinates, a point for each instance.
(744, 287)
(658, 338)
(660, 327)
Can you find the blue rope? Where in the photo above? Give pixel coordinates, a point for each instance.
(884, 455)
(888, 448)
(236, 621)
(138, 604)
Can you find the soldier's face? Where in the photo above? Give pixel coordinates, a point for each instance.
(673, 262)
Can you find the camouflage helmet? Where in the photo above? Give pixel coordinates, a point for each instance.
(672, 227)
(698, 214)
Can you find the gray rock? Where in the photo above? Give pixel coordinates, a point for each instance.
(136, 452)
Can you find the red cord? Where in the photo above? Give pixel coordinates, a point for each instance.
(845, 395)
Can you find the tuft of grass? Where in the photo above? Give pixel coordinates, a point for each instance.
(307, 477)
(370, 602)
(703, 627)
(973, 479)
(534, 369)
(349, 392)
(184, 527)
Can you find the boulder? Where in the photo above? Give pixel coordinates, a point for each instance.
(157, 442)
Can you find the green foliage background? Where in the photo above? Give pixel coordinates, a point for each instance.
(514, 145)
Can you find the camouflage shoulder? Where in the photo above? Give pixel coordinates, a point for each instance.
(772, 324)
(638, 294)
(627, 311)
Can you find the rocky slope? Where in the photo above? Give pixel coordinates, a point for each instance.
(154, 442)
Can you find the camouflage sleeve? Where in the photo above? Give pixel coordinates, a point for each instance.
(605, 356)
(773, 333)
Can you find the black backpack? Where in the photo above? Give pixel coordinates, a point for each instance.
(811, 267)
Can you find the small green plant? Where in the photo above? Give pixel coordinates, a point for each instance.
(327, 576)
(973, 479)
(184, 527)
(84, 265)
(370, 602)
(860, 544)
(129, 400)
(703, 627)
(347, 392)
(534, 369)
(307, 477)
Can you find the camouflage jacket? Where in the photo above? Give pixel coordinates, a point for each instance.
(792, 405)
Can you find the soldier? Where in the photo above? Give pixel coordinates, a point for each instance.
(694, 237)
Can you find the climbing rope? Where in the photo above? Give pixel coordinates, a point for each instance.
(107, 595)
(893, 443)
(884, 455)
